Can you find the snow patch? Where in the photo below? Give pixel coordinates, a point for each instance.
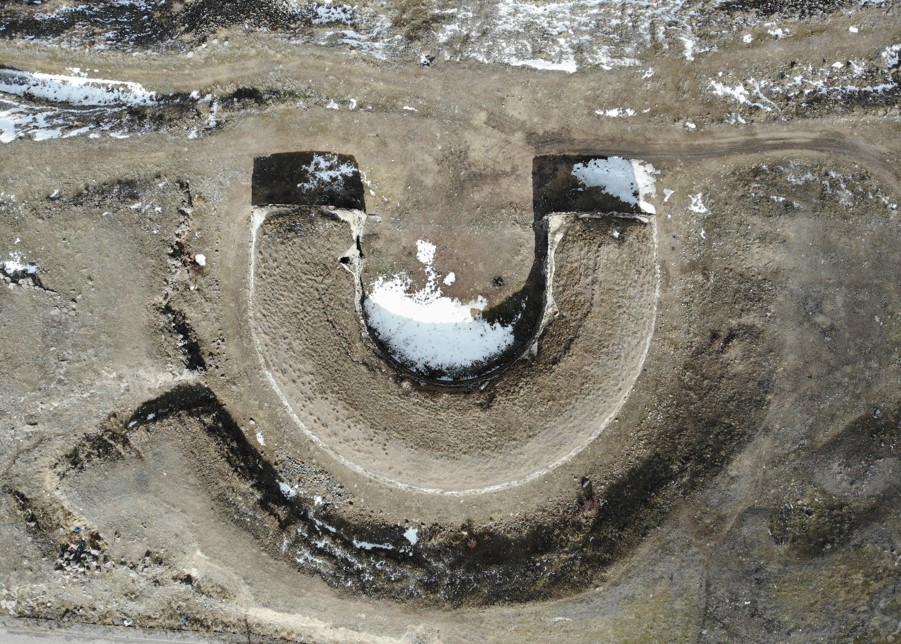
(16, 266)
(75, 90)
(368, 545)
(616, 112)
(425, 251)
(325, 14)
(697, 204)
(689, 48)
(628, 180)
(742, 95)
(890, 55)
(561, 35)
(450, 279)
(412, 535)
(325, 170)
(287, 491)
(428, 331)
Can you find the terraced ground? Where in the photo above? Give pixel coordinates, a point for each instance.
(683, 423)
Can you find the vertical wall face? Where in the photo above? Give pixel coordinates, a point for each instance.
(309, 179)
(584, 183)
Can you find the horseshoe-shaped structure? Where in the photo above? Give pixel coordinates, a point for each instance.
(588, 332)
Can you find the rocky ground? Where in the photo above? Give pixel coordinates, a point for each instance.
(692, 436)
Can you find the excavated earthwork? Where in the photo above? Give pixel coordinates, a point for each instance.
(691, 436)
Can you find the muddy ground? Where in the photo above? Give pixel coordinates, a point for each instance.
(698, 442)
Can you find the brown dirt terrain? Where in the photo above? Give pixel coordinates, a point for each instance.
(701, 447)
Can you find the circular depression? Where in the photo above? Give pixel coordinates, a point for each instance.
(539, 414)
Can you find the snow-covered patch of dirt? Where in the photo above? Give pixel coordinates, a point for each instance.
(616, 112)
(16, 267)
(890, 56)
(428, 331)
(628, 180)
(838, 85)
(75, 90)
(48, 106)
(561, 36)
(697, 204)
(326, 170)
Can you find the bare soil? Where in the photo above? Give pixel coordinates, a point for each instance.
(701, 447)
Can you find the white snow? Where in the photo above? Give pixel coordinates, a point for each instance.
(747, 38)
(75, 90)
(567, 65)
(22, 117)
(18, 120)
(412, 535)
(425, 251)
(287, 491)
(426, 330)
(853, 29)
(200, 259)
(629, 180)
(450, 278)
(260, 439)
(740, 94)
(325, 170)
(697, 204)
(690, 125)
(667, 193)
(616, 112)
(831, 80)
(368, 545)
(689, 45)
(778, 32)
(368, 43)
(890, 55)
(17, 265)
(330, 14)
(561, 35)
